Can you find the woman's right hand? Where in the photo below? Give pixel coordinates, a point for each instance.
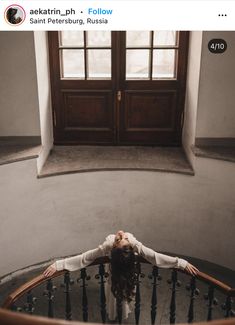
(191, 269)
(50, 270)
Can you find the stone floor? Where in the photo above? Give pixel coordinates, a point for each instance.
(221, 153)
(75, 159)
(70, 159)
(13, 153)
(163, 292)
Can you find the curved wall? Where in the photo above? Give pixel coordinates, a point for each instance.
(57, 216)
(19, 114)
(216, 114)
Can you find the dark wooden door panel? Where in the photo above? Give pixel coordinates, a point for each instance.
(148, 117)
(150, 110)
(87, 114)
(85, 137)
(88, 110)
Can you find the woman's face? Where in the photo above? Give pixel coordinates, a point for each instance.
(121, 239)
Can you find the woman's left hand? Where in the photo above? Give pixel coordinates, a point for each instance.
(191, 269)
(50, 270)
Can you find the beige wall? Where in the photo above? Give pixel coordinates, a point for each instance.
(19, 115)
(191, 98)
(216, 105)
(57, 216)
(44, 95)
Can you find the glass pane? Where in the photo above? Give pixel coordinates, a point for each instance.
(99, 64)
(137, 64)
(72, 64)
(71, 38)
(164, 64)
(165, 37)
(98, 38)
(138, 38)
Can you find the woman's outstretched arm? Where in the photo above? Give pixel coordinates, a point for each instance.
(82, 260)
(161, 260)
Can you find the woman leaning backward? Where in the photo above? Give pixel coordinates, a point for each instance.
(122, 249)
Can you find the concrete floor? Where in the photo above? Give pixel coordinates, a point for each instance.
(13, 153)
(163, 292)
(218, 152)
(70, 159)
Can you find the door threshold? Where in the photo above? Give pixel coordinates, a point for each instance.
(77, 159)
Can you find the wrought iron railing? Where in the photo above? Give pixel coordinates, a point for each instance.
(212, 284)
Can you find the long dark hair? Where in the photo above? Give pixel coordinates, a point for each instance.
(123, 272)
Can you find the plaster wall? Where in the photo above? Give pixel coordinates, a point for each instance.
(191, 98)
(64, 215)
(44, 96)
(19, 115)
(216, 113)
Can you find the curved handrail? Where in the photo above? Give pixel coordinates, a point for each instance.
(104, 260)
(38, 280)
(226, 289)
(11, 318)
(20, 291)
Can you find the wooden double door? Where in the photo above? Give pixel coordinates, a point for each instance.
(118, 88)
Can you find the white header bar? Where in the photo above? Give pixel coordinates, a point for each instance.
(117, 15)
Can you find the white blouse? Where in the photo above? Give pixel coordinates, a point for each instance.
(82, 260)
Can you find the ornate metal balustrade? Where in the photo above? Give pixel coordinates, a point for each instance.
(214, 286)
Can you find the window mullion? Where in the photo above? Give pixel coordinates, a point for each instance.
(85, 55)
(151, 57)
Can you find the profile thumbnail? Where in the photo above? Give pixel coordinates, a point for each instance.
(15, 15)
